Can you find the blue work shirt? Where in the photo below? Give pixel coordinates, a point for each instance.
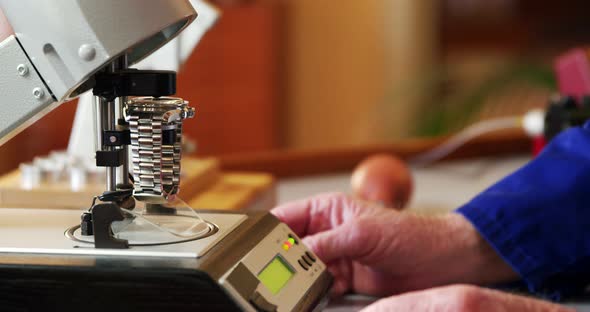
(538, 218)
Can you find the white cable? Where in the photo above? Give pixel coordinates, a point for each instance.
(533, 123)
(465, 136)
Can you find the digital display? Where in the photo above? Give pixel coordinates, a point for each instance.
(276, 275)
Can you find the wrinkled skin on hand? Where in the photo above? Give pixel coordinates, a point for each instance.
(462, 298)
(379, 251)
(5, 28)
(326, 224)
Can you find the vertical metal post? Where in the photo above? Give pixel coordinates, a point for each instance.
(107, 114)
(97, 120)
(120, 64)
(108, 123)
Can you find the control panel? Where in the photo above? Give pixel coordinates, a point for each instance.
(276, 275)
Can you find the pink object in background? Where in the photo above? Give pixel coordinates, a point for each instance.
(5, 28)
(572, 71)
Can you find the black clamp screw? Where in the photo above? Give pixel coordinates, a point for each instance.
(86, 224)
(116, 137)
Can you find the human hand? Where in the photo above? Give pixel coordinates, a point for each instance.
(378, 251)
(462, 298)
(5, 28)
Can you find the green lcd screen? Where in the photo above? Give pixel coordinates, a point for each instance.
(275, 275)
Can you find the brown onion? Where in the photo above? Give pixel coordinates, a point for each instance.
(383, 178)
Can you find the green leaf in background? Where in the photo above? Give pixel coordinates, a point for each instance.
(454, 112)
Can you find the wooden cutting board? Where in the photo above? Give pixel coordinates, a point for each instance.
(203, 185)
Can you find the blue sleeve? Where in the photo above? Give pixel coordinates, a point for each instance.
(538, 218)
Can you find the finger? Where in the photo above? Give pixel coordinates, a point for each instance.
(425, 300)
(508, 302)
(310, 215)
(352, 240)
(396, 303)
(463, 298)
(5, 28)
(295, 215)
(340, 270)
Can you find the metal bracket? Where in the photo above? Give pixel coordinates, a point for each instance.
(134, 82)
(114, 158)
(103, 215)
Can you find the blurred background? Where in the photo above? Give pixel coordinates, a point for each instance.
(321, 74)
